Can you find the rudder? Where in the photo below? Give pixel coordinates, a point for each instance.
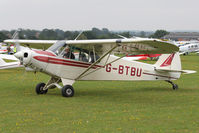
(169, 61)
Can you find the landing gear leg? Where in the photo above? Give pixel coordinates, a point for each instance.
(175, 86)
(39, 89)
(42, 88)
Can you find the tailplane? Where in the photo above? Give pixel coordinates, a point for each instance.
(171, 63)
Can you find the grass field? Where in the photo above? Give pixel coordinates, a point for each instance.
(100, 107)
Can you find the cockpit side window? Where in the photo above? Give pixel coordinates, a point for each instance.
(67, 53)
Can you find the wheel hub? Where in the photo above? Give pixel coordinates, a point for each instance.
(68, 91)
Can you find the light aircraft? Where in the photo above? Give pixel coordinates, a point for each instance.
(189, 48)
(3, 48)
(94, 60)
(142, 57)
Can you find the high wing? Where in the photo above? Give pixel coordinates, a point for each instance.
(39, 44)
(128, 46)
(135, 45)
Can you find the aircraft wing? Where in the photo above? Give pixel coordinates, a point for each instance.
(31, 42)
(127, 46)
(4, 65)
(8, 57)
(39, 44)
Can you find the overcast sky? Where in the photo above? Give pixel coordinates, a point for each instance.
(111, 14)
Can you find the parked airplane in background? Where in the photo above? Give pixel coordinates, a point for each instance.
(94, 60)
(142, 57)
(189, 48)
(3, 48)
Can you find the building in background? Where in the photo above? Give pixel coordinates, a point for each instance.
(182, 36)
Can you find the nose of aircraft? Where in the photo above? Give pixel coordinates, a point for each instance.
(24, 56)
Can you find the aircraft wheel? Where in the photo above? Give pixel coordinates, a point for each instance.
(175, 86)
(67, 91)
(39, 89)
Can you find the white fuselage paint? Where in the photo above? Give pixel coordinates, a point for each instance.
(119, 70)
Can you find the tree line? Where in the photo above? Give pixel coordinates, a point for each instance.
(57, 34)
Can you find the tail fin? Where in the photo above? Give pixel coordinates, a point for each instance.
(169, 62)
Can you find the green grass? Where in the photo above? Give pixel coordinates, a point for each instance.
(104, 107)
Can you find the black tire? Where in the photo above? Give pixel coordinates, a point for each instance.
(39, 89)
(175, 86)
(67, 91)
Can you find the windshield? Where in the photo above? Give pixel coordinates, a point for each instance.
(64, 50)
(58, 47)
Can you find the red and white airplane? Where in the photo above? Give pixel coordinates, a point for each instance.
(94, 60)
(3, 49)
(141, 56)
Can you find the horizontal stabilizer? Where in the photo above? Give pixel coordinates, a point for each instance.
(180, 71)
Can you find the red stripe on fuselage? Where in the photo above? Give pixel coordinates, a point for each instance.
(44, 52)
(41, 58)
(71, 61)
(64, 62)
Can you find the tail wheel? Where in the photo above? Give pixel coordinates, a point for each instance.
(39, 88)
(67, 91)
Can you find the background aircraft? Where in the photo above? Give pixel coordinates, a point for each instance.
(189, 48)
(142, 57)
(3, 48)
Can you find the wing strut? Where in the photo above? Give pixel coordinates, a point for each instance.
(96, 62)
(103, 66)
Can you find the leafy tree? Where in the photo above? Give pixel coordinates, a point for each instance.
(159, 34)
(3, 36)
(48, 34)
(142, 34)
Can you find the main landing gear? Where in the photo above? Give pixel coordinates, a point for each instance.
(175, 86)
(66, 91)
